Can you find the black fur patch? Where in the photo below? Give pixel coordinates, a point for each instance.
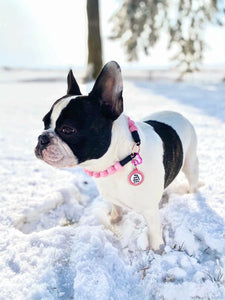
(47, 120)
(92, 130)
(173, 151)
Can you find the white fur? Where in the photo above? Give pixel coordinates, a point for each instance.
(57, 109)
(145, 198)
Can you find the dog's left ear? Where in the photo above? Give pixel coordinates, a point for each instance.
(108, 89)
(72, 86)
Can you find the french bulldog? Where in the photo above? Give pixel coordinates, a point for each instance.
(131, 170)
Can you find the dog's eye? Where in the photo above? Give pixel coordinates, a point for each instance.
(67, 130)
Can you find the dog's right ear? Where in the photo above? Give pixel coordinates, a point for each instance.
(72, 86)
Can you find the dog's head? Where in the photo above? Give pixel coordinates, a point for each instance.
(78, 128)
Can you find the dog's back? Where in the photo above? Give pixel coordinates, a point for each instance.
(180, 145)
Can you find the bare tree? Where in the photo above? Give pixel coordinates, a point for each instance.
(94, 40)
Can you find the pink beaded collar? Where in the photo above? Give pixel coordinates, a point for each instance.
(119, 164)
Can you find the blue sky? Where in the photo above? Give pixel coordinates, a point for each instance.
(52, 33)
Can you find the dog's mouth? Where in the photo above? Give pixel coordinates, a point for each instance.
(57, 154)
(52, 154)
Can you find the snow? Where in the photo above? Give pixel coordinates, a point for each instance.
(56, 241)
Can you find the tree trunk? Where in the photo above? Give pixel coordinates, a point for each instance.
(94, 39)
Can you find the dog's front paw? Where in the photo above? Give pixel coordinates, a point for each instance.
(157, 245)
(160, 250)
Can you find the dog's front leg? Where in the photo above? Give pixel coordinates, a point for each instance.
(116, 214)
(152, 218)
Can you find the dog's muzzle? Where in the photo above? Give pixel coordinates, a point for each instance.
(54, 151)
(43, 141)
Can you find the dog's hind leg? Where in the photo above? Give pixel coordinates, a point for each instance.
(191, 167)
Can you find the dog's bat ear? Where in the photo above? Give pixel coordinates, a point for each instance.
(72, 86)
(108, 89)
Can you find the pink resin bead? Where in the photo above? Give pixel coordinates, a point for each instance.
(96, 174)
(118, 166)
(111, 170)
(104, 173)
(132, 125)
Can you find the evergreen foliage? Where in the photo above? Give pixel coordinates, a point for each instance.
(139, 23)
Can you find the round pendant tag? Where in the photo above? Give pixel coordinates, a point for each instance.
(136, 177)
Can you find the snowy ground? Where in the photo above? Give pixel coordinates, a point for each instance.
(53, 244)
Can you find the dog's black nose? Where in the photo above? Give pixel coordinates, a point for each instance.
(44, 139)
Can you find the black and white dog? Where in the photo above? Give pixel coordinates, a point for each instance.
(141, 159)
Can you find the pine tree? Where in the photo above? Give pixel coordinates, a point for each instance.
(139, 25)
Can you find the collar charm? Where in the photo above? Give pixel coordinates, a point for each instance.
(136, 177)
